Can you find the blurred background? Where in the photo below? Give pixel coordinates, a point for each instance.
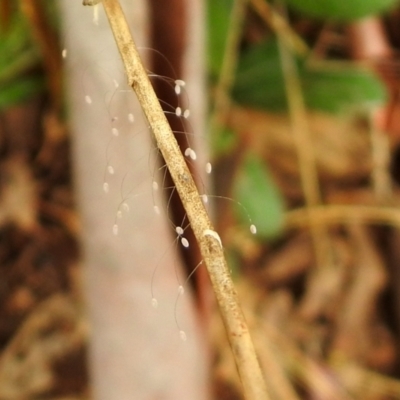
(296, 106)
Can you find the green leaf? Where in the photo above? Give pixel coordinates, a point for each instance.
(19, 56)
(334, 90)
(20, 64)
(259, 79)
(14, 40)
(218, 14)
(19, 91)
(260, 83)
(341, 10)
(261, 200)
(223, 141)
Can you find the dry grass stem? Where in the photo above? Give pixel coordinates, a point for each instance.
(381, 180)
(280, 26)
(340, 214)
(305, 150)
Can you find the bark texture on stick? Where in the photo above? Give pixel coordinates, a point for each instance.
(210, 246)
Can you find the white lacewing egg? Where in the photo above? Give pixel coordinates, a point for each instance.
(110, 169)
(125, 207)
(115, 131)
(155, 185)
(182, 335)
(154, 302)
(119, 214)
(192, 154)
(180, 82)
(96, 14)
(156, 210)
(185, 242)
(106, 187)
(253, 229)
(131, 118)
(179, 230)
(186, 114)
(88, 99)
(181, 290)
(178, 111)
(64, 53)
(204, 197)
(115, 229)
(208, 168)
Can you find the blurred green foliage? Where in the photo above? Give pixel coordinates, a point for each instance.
(218, 13)
(19, 61)
(341, 10)
(256, 191)
(260, 83)
(332, 88)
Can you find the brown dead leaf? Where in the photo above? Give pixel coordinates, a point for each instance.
(368, 278)
(287, 264)
(18, 198)
(48, 334)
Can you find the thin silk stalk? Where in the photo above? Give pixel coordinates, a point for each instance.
(209, 242)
